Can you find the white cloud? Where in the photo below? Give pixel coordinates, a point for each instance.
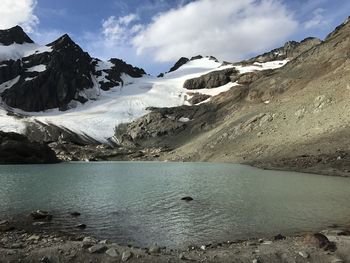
(120, 30)
(317, 20)
(18, 12)
(227, 29)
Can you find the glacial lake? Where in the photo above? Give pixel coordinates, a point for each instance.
(139, 203)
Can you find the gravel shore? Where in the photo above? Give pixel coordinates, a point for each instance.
(19, 243)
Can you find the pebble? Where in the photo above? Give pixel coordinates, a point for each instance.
(126, 256)
(154, 249)
(112, 253)
(203, 247)
(16, 246)
(34, 238)
(255, 261)
(304, 254)
(3, 222)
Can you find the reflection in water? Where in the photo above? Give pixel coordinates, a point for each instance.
(139, 203)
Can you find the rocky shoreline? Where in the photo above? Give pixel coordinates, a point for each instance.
(27, 241)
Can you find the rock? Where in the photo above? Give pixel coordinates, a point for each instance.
(99, 248)
(203, 247)
(75, 214)
(17, 149)
(39, 214)
(255, 260)
(182, 61)
(211, 80)
(16, 246)
(33, 238)
(304, 254)
(198, 97)
(3, 222)
(279, 237)
(182, 256)
(317, 240)
(154, 249)
(187, 198)
(81, 226)
(126, 256)
(88, 242)
(112, 253)
(45, 260)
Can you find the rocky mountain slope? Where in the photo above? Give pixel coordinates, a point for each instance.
(294, 117)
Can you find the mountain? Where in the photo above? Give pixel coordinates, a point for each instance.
(35, 78)
(285, 109)
(293, 117)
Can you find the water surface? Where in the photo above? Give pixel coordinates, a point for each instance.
(139, 203)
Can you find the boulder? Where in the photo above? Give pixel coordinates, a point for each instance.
(211, 80)
(99, 248)
(317, 240)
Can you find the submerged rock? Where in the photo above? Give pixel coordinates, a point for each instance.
(75, 214)
(39, 215)
(187, 198)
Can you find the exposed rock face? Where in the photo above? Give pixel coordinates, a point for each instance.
(211, 80)
(17, 149)
(197, 98)
(54, 77)
(113, 75)
(153, 125)
(14, 35)
(290, 50)
(182, 61)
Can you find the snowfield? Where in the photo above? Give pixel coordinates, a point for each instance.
(98, 118)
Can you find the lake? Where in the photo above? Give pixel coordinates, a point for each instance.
(139, 203)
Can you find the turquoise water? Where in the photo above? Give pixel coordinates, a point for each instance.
(139, 202)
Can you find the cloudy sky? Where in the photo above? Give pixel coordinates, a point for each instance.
(153, 34)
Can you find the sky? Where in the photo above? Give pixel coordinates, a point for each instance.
(154, 34)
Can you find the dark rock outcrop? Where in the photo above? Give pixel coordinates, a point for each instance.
(57, 75)
(17, 149)
(14, 35)
(113, 75)
(67, 71)
(197, 98)
(182, 61)
(211, 80)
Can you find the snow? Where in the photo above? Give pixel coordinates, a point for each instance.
(262, 66)
(17, 51)
(99, 117)
(29, 79)
(9, 84)
(38, 68)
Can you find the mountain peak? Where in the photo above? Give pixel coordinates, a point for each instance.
(63, 41)
(14, 35)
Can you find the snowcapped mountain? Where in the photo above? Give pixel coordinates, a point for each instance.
(60, 85)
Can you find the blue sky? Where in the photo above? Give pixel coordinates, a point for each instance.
(154, 33)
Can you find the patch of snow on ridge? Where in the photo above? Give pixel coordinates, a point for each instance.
(257, 66)
(38, 68)
(17, 51)
(9, 84)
